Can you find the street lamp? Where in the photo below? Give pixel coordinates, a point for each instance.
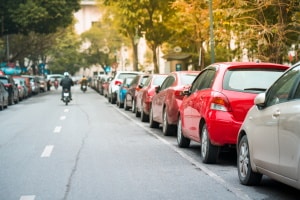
(211, 28)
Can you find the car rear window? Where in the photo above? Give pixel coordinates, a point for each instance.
(252, 80)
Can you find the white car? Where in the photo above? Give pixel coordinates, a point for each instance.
(269, 138)
(116, 82)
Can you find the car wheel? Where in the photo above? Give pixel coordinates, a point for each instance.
(109, 98)
(144, 116)
(125, 104)
(137, 112)
(181, 140)
(166, 127)
(246, 175)
(113, 98)
(10, 100)
(153, 124)
(2, 106)
(209, 152)
(133, 108)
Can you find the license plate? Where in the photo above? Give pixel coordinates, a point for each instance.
(66, 94)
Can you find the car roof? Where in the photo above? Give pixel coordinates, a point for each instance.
(247, 64)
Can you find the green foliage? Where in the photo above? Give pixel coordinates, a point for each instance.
(149, 16)
(43, 16)
(65, 54)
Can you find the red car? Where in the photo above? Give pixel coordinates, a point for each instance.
(144, 96)
(167, 100)
(136, 84)
(216, 104)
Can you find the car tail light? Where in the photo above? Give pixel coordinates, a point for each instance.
(178, 94)
(220, 102)
(118, 82)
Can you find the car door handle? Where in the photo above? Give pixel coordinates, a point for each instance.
(276, 114)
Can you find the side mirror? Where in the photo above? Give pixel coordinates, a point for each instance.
(157, 89)
(186, 92)
(141, 85)
(260, 99)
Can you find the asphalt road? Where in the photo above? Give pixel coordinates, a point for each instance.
(92, 150)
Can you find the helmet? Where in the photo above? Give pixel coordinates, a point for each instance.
(66, 74)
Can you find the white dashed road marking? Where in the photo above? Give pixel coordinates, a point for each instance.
(66, 110)
(57, 129)
(27, 197)
(62, 117)
(47, 151)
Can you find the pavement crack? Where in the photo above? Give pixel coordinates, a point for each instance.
(74, 169)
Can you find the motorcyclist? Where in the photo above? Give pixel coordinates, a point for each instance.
(66, 83)
(83, 81)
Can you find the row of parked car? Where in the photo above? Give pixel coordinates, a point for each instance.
(16, 88)
(252, 108)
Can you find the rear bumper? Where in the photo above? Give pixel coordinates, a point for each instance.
(222, 128)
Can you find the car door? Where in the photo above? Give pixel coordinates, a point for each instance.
(288, 132)
(271, 133)
(159, 99)
(200, 91)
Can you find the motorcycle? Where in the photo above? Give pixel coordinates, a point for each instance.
(83, 88)
(66, 96)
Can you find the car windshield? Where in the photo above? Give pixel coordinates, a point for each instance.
(123, 76)
(187, 79)
(250, 79)
(4, 80)
(18, 81)
(158, 80)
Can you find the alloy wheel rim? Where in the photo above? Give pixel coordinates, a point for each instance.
(133, 106)
(165, 122)
(204, 143)
(151, 116)
(244, 160)
(179, 131)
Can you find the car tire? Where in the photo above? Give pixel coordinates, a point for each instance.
(10, 100)
(182, 141)
(144, 116)
(2, 106)
(121, 105)
(113, 98)
(109, 98)
(246, 175)
(209, 152)
(153, 124)
(137, 112)
(126, 107)
(166, 127)
(133, 108)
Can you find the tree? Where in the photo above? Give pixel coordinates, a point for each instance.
(104, 42)
(269, 27)
(43, 16)
(65, 53)
(149, 16)
(190, 28)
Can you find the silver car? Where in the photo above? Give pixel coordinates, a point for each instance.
(269, 138)
(114, 85)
